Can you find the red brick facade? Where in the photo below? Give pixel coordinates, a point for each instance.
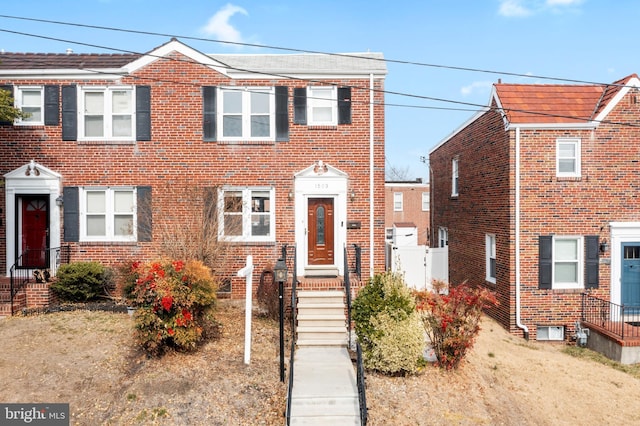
(177, 156)
(600, 202)
(412, 208)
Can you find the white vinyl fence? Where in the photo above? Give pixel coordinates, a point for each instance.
(419, 264)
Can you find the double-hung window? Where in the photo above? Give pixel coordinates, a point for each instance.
(247, 214)
(425, 201)
(246, 113)
(568, 157)
(490, 257)
(443, 237)
(108, 214)
(322, 105)
(30, 99)
(397, 202)
(106, 113)
(567, 261)
(454, 177)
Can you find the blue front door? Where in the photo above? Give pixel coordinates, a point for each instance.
(630, 283)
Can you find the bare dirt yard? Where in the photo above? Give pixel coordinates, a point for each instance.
(88, 360)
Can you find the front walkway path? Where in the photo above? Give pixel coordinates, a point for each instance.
(324, 387)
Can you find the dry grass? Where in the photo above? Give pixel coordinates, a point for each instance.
(88, 360)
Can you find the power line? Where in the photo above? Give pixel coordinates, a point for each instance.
(290, 49)
(421, 97)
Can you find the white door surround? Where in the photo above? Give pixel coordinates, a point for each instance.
(30, 179)
(320, 180)
(621, 232)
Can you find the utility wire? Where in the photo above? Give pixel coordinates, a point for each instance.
(289, 49)
(422, 97)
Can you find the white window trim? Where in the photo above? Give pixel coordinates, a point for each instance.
(551, 335)
(580, 263)
(110, 232)
(490, 253)
(454, 177)
(315, 102)
(246, 215)
(246, 113)
(18, 104)
(426, 202)
(108, 130)
(443, 237)
(398, 202)
(577, 143)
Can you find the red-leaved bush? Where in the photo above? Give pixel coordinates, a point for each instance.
(175, 301)
(452, 321)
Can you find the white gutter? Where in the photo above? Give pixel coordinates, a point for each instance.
(517, 213)
(371, 174)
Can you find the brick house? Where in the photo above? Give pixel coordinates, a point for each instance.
(120, 148)
(407, 206)
(537, 195)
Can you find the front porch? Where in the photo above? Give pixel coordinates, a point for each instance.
(614, 330)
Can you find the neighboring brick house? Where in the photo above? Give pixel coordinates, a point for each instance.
(120, 148)
(538, 197)
(407, 205)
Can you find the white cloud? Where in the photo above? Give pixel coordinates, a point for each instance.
(512, 8)
(563, 2)
(476, 87)
(219, 26)
(523, 8)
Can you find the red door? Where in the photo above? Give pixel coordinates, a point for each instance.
(320, 237)
(34, 230)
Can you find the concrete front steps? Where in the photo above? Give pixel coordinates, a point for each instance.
(321, 318)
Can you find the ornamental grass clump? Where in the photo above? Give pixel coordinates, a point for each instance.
(388, 326)
(452, 321)
(175, 302)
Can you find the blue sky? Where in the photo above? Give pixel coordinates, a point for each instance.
(586, 40)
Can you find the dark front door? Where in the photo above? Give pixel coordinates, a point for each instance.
(630, 282)
(320, 237)
(34, 230)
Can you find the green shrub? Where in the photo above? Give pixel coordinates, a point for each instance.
(175, 303)
(388, 326)
(82, 282)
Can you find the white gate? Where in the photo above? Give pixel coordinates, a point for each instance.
(419, 264)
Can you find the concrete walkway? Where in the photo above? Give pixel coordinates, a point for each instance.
(324, 387)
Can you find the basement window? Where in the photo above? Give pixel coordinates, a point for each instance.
(550, 332)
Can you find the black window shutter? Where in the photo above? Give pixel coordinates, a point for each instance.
(209, 113)
(344, 105)
(69, 113)
(51, 105)
(143, 113)
(145, 213)
(9, 89)
(545, 259)
(71, 202)
(300, 105)
(592, 261)
(282, 113)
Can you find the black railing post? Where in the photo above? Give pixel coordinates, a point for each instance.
(281, 308)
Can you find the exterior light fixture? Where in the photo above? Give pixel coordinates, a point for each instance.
(280, 270)
(59, 201)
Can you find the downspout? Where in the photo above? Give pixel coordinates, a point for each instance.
(519, 323)
(371, 174)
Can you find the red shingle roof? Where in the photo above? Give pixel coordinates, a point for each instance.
(549, 103)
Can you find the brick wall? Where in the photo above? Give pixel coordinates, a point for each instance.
(412, 207)
(606, 192)
(177, 157)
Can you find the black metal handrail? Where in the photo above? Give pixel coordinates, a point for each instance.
(43, 263)
(619, 320)
(360, 378)
(294, 282)
(347, 289)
